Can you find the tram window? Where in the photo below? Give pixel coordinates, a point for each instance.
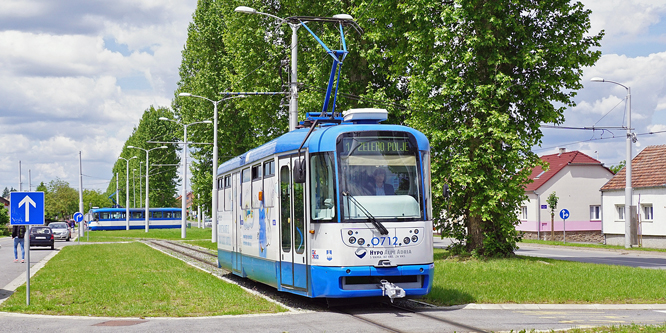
(256, 186)
(136, 215)
(256, 172)
(104, 216)
(246, 189)
(118, 216)
(299, 218)
(380, 163)
(167, 215)
(322, 187)
(177, 215)
(285, 210)
(227, 193)
(157, 215)
(269, 169)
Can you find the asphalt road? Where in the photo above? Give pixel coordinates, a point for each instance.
(468, 318)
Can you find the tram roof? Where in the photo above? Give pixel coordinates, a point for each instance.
(322, 139)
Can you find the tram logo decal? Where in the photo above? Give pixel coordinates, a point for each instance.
(315, 255)
(361, 252)
(329, 255)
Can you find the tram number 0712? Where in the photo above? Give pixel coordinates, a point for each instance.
(377, 241)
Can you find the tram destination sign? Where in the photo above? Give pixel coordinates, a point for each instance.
(372, 146)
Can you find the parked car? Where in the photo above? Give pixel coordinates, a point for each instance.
(208, 222)
(42, 236)
(61, 230)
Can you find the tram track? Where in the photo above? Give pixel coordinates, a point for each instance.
(395, 319)
(383, 323)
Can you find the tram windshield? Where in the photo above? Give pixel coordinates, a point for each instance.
(380, 172)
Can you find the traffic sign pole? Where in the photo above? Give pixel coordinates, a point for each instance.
(26, 238)
(564, 214)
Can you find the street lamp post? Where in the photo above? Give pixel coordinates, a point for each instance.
(134, 188)
(627, 187)
(140, 182)
(127, 224)
(147, 213)
(215, 149)
(183, 226)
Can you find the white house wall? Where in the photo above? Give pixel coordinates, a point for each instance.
(648, 196)
(577, 187)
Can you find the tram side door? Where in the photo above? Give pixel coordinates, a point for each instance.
(236, 256)
(293, 269)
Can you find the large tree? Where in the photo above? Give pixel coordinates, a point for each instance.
(61, 201)
(497, 71)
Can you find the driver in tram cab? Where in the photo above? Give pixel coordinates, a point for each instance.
(377, 185)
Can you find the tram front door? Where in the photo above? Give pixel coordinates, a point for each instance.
(293, 271)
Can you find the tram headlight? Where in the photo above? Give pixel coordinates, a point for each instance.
(350, 232)
(415, 238)
(406, 240)
(361, 241)
(352, 240)
(416, 231)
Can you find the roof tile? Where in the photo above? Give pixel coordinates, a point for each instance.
(648, 169)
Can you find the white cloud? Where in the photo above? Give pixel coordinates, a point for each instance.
(62, 88)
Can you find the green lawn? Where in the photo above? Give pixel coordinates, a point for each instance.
(130, 280)
(598, 246)
(169, 234)
(536, 280)
(204, 243)
(622, 329)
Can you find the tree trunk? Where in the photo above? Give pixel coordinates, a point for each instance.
(552, 227)
(475, 236)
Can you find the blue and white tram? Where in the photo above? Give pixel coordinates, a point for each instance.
(114, 218)
(343, 232)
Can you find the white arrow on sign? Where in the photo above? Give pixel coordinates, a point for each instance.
(27, 202)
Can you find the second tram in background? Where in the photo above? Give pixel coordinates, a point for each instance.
(114, 218)
(334, 211)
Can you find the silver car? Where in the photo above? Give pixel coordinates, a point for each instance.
(61, 230)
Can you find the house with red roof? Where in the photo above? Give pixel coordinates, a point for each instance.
(576, 179)
(648, 181)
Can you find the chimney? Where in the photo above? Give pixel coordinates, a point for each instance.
(562, 151)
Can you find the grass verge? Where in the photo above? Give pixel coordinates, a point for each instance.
(598, 246)
(168, 234)
(538, 280)
(130, 280)
(622, 329)
(204, 243)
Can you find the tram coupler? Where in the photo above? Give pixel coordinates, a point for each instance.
(391, 290)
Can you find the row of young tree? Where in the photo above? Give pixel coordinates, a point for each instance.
(478, 77)
(150, 134)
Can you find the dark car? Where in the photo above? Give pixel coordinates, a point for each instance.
(42, 236)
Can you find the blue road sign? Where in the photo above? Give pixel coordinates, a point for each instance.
(78, 217)
(564, 214)
(27, 208)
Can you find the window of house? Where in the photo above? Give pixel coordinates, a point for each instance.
(620, 212)
(595, 212)
(647, 212)
(524, 212)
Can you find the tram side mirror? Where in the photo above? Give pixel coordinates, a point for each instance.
(447, 192)
(299, 171)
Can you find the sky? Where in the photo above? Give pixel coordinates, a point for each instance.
(77, 75)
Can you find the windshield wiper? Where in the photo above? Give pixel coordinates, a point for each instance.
(377, 224)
